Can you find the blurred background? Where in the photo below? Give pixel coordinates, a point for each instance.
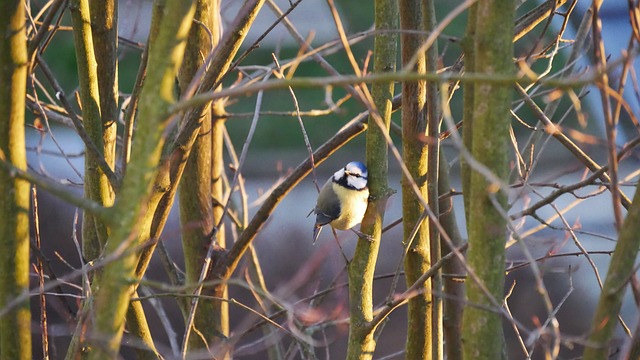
(284, 246)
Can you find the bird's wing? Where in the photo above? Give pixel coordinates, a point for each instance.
(316, 233)
(331, 208)
(323, 219)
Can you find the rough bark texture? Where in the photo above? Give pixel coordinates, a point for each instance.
(467, 110)
(113, 287)
(416, 154)
(15, 326)
(96, 184)
(483, 336)
(362, 267)
(104, 30)
(433, 143)
(172, 167)
(453, 306)
(620, 270)
(196, 212)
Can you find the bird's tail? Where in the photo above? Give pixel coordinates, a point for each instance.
(316, 233)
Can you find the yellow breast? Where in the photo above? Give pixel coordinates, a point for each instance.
(353, 205)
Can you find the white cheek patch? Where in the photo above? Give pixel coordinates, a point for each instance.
(338, 175)
(357, 182)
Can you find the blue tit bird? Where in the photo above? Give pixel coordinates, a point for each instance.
(343, 199)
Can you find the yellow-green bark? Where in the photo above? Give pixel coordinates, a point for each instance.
(104, 31)
(96, 184)
(433, 143)
(113, 288)
(15, 325)
(361, 343)
(416, 153)
(202, 180)
(453, 304)
(492, 43)
(172, 167)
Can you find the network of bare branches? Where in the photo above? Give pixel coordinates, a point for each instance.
(235, 107)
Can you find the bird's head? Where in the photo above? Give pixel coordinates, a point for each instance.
(353, 176)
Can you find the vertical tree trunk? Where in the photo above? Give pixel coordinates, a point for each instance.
(493, 49)
(453, 306)
(433, 115)
(361, 269)
(172, 167)
(104, 30)
(196, 213)
(96, 184)
(416, 154)
(113, 287)
(467, 109)
(621, 267)
(15, 326)
(220, 309)
(220, 63)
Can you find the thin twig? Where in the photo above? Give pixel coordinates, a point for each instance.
(90, 145)
(40, 272)
(307, 143)
(564, 140)
(55, 189)
(609, 120)
(382, 313)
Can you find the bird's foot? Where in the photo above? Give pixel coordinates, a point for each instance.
(362, 235)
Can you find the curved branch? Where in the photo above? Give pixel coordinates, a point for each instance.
(225, 268)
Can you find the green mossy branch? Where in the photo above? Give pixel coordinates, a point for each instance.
(172, 167)
(416, 158)
(361, 343)
(112, 288)
(15, 325)
(492, 45)
(96, 184)
(621, 268)
(433, 115)
(196, 189)
(453, 306)
(405, 75)
(104, 31)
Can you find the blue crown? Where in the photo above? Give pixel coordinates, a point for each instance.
(360, 166)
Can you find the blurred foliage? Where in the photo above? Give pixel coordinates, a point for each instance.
(282, 131)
